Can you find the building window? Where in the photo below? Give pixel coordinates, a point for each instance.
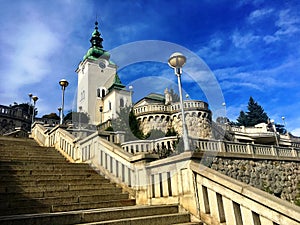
(82, 95)
(103, 93)
(121, 102)
(109, 105)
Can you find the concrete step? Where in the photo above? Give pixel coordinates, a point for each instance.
(167, 214)
(41, 194)
(58, 177)
(58, 187)
(24, 148)
(44, 182)
(28, 153)
(41, 208)
(49, 171)
(168, 219)
(93, 205)
(32, 165)
(61, 200)
(189, 223)
(48, 159)
(35, 160)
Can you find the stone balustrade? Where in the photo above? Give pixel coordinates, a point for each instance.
(255, 150)
(208, 195)
(221, 199)
(169, 109)
(39, 134)
(150, 146)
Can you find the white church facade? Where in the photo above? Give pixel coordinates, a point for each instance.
(100, 92)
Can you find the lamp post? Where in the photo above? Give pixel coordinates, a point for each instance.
(34, 98)
(283, 119)
(130, 89)
(101, 111)
(59, 112)
(29, 104)
(63, 83)
(177, 61)
(275, 132)
(79, 117)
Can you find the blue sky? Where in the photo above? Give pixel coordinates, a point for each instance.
(251, 46)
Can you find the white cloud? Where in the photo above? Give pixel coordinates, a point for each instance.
(242, 41)
(128, 31)
(29, 53)
(287, 25)
(35, 45)
(212, 49)
(259, 14)
(296, 132)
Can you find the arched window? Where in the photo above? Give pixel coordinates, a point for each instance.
(101, 92)
(109, 105)
(121, 102)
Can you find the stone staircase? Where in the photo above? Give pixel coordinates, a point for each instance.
(38, 186)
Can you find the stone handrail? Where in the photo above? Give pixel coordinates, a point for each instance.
(175, 107)
(221, 199)
(208, 195)
(255, 150)
(66, 144)
(108, 159)
(62, 140)
(150, 146)
(39, 134)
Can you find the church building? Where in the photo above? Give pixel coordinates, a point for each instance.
(101, 95)
(100, 92)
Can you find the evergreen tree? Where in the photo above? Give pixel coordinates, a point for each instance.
(242, 119)
(127, 121)
(51, 116)
(135, 126)
(253, 116)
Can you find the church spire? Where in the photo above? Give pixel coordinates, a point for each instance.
(96, 50)
(96, 39)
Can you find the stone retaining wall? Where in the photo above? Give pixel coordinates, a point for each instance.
(280, 178)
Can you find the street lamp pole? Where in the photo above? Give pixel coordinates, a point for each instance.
(101, 111)
(130, 89)
(275, 132)
(177, 61)
(79, 117)
(283, 119)
(29, 103)
(63, 83)
(59, 113)
(34, 98)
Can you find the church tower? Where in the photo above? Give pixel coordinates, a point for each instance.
(100, 92)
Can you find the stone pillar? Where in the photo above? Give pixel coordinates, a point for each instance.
(215, 209)
(221, 146)
(247, 215)
(265, 221)
(274, 151)
(250, 149)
